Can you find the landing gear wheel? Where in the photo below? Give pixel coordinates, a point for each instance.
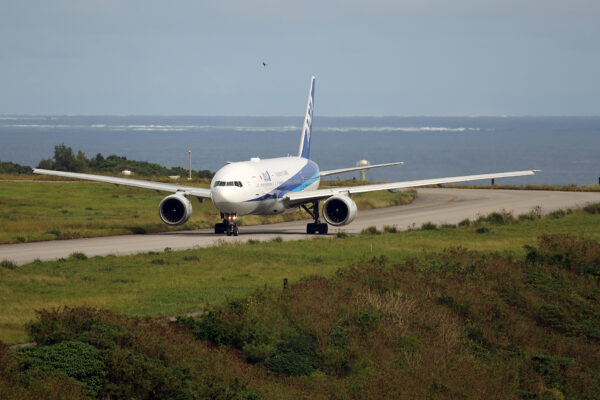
(229, 230)
(322, 228)
(219, 228)
(235, 230)
(316, 227)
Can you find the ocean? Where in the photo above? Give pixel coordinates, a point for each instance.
(567, 149)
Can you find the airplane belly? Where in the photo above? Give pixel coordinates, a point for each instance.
(241, 208)
(270, 207)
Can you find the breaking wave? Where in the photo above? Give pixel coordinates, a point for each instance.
(234, 128)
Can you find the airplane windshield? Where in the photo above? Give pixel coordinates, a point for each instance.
(228, 183)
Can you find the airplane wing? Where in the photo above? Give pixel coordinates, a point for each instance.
(310, 195)
(364, 167)
(163, 187)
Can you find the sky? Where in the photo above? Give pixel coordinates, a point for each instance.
(370, 58)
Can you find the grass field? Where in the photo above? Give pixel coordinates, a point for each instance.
(49, 209)
(170, 283)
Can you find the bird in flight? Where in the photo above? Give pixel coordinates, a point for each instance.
(264, 64)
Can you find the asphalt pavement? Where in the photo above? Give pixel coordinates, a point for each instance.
(439, 206)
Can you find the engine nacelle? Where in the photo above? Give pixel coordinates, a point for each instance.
(339, 210)
(175, 209)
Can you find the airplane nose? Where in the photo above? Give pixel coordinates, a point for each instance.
(224, 198)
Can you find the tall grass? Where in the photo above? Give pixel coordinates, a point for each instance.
(175, 282)
(454, 323)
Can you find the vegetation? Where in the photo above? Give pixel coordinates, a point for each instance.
(12, 168)
(454, 323)
(66, 160)
(34, 211)
(176, 282)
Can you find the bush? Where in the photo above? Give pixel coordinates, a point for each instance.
(497, 218)
(592, 208)
(482, 229)
(75, 360)
(78, 256)
(257, 352)
(389, 229)
(465, 222)
(8, 264)
(428, 226)
(448, 226)
(557, 214)
(295, 356)
(12, 168)
(565, 251)
(371, 230)
(341, 235)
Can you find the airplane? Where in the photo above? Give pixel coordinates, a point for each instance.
(274, 186)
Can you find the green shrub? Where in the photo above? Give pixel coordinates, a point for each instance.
(295, 356)
(137, 230)
(465, 222)
(448, 226)
(428, 226)
(78, 256)
(557, 214)
(341, 235)
(79, 361)
(482, 229)
(390, 229)
(370, 230)
(567, 252)
(8, 264)
(498, 218)
(158, 261)
(258, 352)
(592, 208)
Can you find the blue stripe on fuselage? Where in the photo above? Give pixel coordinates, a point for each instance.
(307, 175)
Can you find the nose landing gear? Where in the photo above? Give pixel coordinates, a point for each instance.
(228, 225)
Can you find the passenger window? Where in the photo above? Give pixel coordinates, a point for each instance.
(238, 183)
(229, 183)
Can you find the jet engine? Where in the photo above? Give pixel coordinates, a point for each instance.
(175, 209)
(339, 210)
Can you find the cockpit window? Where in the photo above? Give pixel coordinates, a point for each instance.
(230, 183)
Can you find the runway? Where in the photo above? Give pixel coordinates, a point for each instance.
(438, 206)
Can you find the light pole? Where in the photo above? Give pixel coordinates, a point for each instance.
(190, 159)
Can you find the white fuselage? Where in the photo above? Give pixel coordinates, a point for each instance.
(259, 186)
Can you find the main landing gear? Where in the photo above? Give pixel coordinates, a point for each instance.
(228, 226)
(317, 226)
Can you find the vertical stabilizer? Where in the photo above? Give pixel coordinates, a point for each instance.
(306, 128)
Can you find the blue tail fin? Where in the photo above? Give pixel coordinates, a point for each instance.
(306, 128)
